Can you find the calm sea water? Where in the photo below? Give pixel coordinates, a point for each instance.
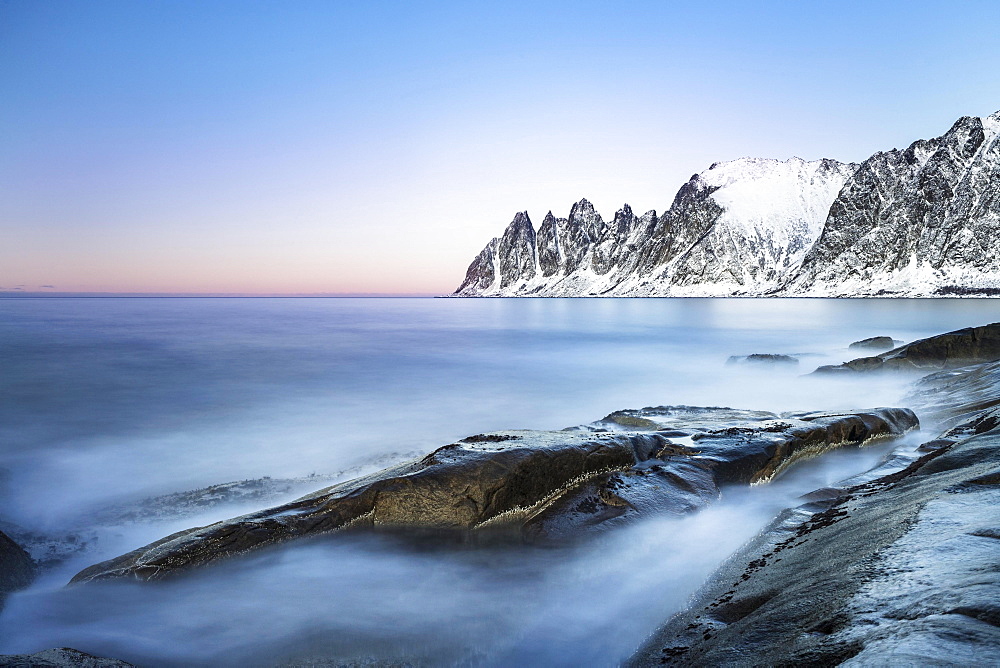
(105, 401)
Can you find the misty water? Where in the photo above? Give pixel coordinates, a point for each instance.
(104, 402)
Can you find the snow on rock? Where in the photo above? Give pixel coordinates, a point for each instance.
(738, 227)
(913, 222)
(917, 222)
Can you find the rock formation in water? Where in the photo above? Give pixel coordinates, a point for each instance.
(896, 565)
(891, 569)
(913, 222)
(875, 343)
(538, 484)
(17, 569)
(962, 347)
(764, 359)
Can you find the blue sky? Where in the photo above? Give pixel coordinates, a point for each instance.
(377, 146)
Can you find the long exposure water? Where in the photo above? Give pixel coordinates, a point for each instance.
(104, 402)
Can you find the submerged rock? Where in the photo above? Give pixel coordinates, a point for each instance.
(17, 569)
(875, 343)
(543, 484)
(63, 657)
(972, 345)
(763, 358)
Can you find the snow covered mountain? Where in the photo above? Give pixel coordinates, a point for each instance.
(918, 222)
(910, 222)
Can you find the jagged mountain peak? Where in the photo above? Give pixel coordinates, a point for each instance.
(583, 213)
(992, 122)
(915, 221)
(624, 212)
(521, 220)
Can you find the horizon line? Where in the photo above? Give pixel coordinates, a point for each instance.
(18, 294)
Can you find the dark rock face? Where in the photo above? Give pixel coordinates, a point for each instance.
(763, 359)
(893, 568)
(972, 345)
(914, 221)
(64, 657)
(546, 484)
(875, 343)
(517, 251)
(482, 273)
(17, 570)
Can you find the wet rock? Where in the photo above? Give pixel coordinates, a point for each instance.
(898, 568)
(763, 359)
(544, 483)
(458, 486)
(674, 486)
(17, 569)
(64, 657)
(671, 418)
(972, 345)
(264, 490)
(956, 399)
(875, 343)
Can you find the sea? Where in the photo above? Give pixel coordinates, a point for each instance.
(108, 402)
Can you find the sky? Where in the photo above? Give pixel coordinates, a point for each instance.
(376, 147)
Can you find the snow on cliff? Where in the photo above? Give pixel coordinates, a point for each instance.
(915, 222)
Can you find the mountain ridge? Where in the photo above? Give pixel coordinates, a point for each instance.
(905, 222)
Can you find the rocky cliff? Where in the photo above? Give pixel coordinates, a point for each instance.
(913, 222)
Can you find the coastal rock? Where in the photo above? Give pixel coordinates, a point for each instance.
(675, 420)
(898, 567)
(458, 486)
(958, 399)
(875, 343)
(972, 345)
(763, 359)
(532, 481)
(17, 569)
(63, 657)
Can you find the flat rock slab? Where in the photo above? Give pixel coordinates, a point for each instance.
(898, 569)
(545, 484)
(685, 420)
